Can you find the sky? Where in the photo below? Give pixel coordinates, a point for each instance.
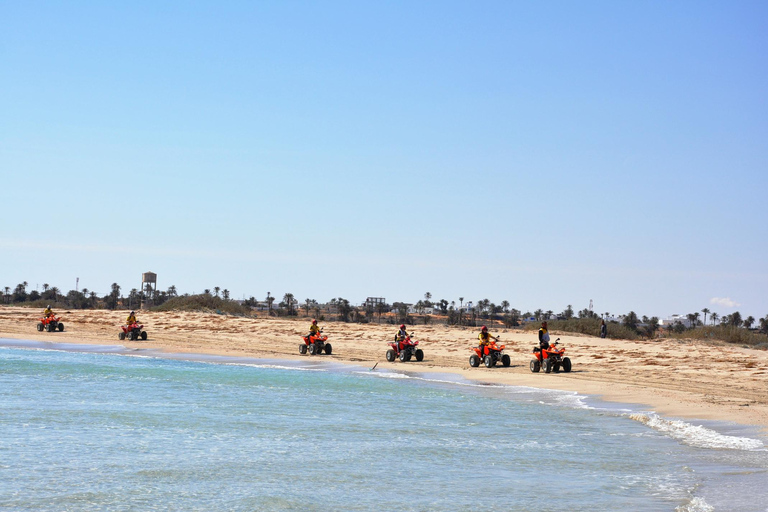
(544, 153)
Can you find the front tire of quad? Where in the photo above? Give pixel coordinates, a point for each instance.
(535, 365)
(121, 336)
(419, 354)
(143, 335)
(566, 365)
(328, 349)
(547, 366)
(505, 361)
(312, 349)
(134, 336)
(474, 361)
(391, 356)
(40, 327)
(60, 327)
(49, 328)
(489, 362)
(404, 356)
(302, 349)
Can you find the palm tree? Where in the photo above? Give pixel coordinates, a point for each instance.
(696, 319)
(45, 287)
(538, 314)
(216, 290)
(714, 316)
(749, 321)
(225, 294)
(706, 312)
(56, 293)
(461, 308)
(7, 290)
(172, 291)
(505, 306)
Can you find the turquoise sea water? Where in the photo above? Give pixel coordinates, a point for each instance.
(105, 430)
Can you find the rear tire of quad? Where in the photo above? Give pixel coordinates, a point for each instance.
(121, 336)
(312, 349)
(489, 362)
(419, 354)
(505, 361)
(535, 365)
(60, 327)
(40, 327)
(328, 349)
(566, 365)
(547, 366)
(143, 335)
(474, 360)
(302, 349)
(391, 356)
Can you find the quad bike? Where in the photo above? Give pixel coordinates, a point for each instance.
(315, 344)
(551, 359)
(133, 332)
(50, 324)
(490, 355)
(404, 350)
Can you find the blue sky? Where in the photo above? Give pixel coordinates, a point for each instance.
(546, 153)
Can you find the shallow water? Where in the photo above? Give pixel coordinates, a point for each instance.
(105, 431)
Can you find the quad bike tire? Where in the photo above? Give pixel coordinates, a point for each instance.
(121, 336)
(405, 356)
(49, 328)
(328, 349)
(143, 335)
(40, 327)
(60, 326)
(419, 354)
(535, 365)
(489, 362)
(566, 364)
(547, 366)
(556, 367)
(474, 360)
(391, 355)
(505, 360)
(302, 349)
(134, 336)
(312, 349)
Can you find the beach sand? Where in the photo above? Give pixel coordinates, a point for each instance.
(690, 379)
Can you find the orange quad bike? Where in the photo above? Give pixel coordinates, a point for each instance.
(404, 350)
(315, 344)
(490, 355)
(551, 359)
(50, 324)
(133, 332)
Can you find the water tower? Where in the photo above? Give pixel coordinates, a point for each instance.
(149, 287)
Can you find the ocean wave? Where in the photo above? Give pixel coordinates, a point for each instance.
(697, 435)
(696, 505)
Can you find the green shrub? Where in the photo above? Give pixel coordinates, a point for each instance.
(206, 303)
(589, 326)
(726, 333)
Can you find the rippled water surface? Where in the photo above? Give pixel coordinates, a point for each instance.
(101, 431)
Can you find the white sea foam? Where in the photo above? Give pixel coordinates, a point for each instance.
(697, 435)
(696, 505)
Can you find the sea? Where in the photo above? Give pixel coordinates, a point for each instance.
(105, 428)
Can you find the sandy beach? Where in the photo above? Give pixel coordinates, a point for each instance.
(689, 379)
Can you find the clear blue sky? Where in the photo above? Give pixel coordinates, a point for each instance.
(546, 153)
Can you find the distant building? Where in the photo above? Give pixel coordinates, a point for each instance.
(673, 319)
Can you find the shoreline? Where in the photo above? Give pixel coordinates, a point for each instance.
(687, 379)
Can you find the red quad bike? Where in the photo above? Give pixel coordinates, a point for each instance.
(551, 359)
(405, 350)
(133, 332)
(491, 354)
(315, 344)
(50, 324)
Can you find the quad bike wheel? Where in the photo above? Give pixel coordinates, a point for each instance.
(566, 364)
(121, 336)
(419, 354)
(328, 349)
(40, 327)
(404, 356)
(312, 349)
(134, 335)
(474, 360)
(143, 335)
(547, 366)
(489, 362)
(391, 355)
(556, 367)
(302, 349)
(535, 365)
(60, 326)
(505, 361)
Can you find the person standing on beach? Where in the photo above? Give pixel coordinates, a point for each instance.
(485, 339)
(131, 319)
(603, 329)
(543, 336)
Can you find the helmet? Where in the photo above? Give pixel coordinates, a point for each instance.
(314, 321)
(402, 326)
(132, 312)
(48, 306)
(484, 328)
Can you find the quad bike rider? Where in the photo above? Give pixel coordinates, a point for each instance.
(132, 329)
(315, 342)
(488, 351)
(403, 347)
(549, 357)
(49, 322)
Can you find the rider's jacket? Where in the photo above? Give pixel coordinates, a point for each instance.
(48, 312)
(131, 319)
(401, 335)
(314, 329)
(484, 337)
(543, 338)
